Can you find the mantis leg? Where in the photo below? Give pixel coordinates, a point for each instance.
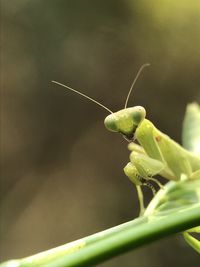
(146, 166)
(132, 173)
(150, 186)
(156, 181)
(139, 170)
(141, 199)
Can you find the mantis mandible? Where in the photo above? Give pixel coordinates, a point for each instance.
(156, 154)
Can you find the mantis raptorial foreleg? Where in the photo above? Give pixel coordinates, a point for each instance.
(161, 155)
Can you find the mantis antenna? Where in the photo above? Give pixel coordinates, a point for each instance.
(136, 77)
(77, 92)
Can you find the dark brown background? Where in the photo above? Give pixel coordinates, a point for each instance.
(62, 172)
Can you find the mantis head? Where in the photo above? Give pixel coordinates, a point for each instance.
(125, 121)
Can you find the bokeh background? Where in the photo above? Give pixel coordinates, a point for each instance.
(61, 170)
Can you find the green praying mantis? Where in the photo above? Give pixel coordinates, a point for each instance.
(156, 154)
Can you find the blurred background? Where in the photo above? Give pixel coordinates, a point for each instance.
(61, 170)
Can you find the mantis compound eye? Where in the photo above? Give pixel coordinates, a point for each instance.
(110, 123)
(138, 114)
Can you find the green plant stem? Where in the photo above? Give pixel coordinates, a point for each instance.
(52, 254)
(121, 239)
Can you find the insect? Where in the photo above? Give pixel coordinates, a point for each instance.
(156, 153)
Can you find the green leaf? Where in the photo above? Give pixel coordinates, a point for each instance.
(191, 128)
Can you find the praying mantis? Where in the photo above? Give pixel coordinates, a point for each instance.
(155, 154)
